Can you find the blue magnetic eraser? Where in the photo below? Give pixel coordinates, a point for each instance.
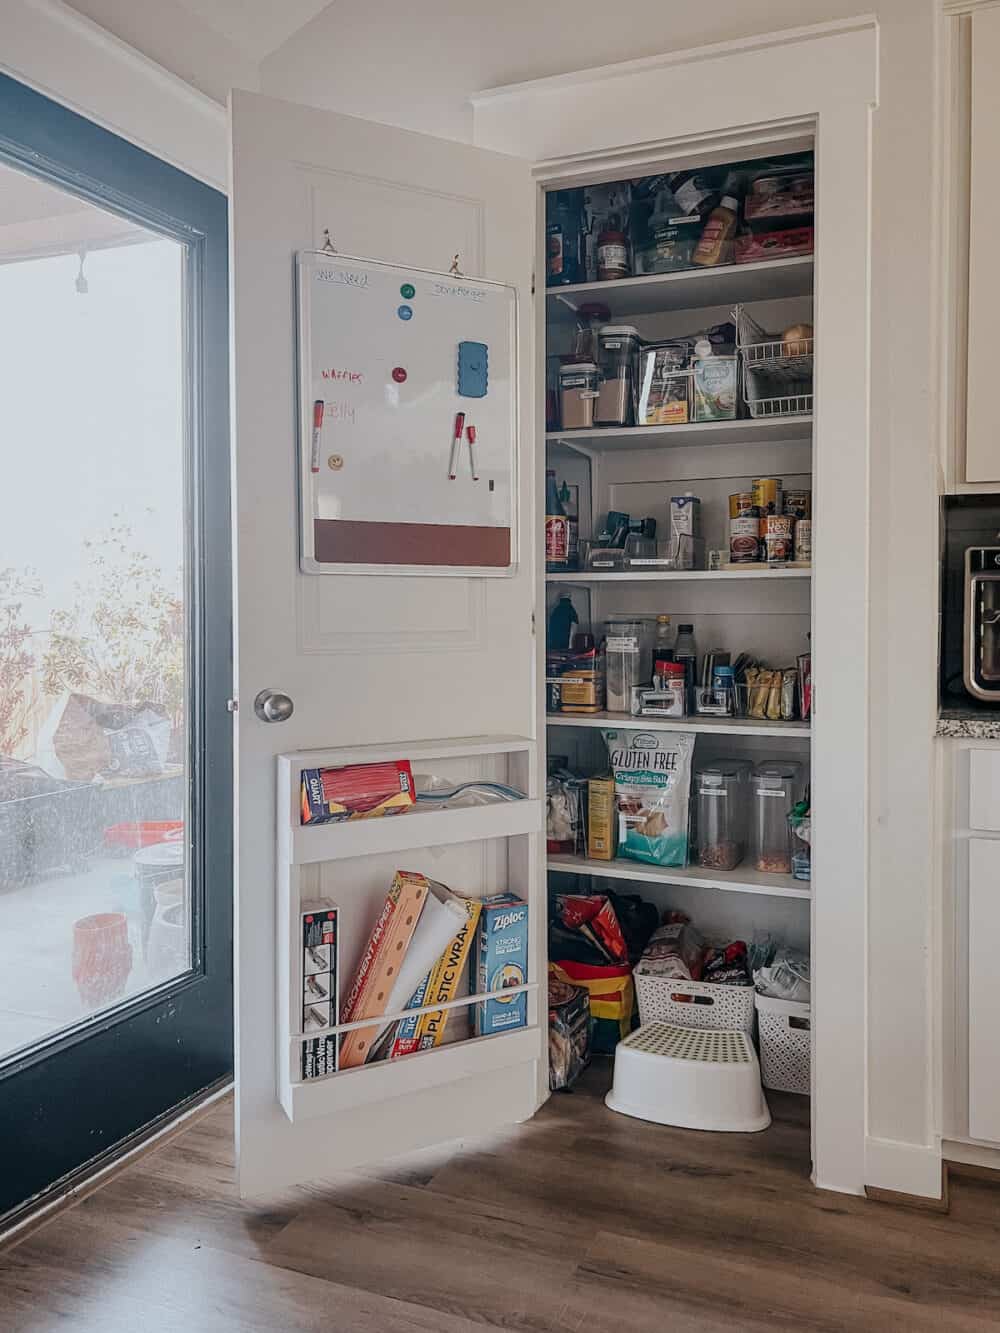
(473, 369)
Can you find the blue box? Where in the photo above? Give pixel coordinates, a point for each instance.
(500, 960)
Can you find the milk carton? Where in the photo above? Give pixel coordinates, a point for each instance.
(500, 960)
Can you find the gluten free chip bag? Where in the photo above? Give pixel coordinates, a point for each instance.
(652, 773)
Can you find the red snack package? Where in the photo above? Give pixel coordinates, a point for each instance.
(357, 791)
(596, 912)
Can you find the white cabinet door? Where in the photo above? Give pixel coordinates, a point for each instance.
(982, 447)
(984, 989)
(366, 660)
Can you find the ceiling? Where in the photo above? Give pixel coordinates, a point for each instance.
(257, 27)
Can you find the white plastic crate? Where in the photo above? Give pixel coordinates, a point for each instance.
(785, 1044)
(695, 1004)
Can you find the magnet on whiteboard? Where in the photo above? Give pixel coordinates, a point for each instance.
(473, 369)
(405, 312)
(335, 462)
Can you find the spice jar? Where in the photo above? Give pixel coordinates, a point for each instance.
(612, 252)
(776, 788)
(617, 356)
(577, 395)
(723, 814)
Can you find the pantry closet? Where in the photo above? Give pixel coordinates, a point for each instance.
(812, 435)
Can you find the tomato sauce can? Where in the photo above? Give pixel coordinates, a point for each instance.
(767, 495)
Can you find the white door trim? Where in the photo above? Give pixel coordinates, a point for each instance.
(826, 76)
(58, 52)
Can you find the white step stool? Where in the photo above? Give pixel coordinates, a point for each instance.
(696, 1078)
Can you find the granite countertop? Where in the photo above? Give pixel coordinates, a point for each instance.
(980, 724)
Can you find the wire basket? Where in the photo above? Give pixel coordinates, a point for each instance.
(775, 384)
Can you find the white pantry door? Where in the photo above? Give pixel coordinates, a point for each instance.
(365, 659)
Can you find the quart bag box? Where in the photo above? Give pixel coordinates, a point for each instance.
(501, 960)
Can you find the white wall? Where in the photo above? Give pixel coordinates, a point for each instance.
(416, 64)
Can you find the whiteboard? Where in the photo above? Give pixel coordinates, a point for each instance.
(388, 358)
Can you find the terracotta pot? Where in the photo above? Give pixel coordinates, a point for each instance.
(102, 957)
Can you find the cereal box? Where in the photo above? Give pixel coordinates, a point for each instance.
(501, 960)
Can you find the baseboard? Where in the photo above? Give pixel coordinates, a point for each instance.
(24, 1221)
(905, 1169)
(959, 1154)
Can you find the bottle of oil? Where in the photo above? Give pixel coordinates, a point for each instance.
(556, 527)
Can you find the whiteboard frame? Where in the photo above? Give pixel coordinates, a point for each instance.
(307, 552)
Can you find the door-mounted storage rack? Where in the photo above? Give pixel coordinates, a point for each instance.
(301, 848)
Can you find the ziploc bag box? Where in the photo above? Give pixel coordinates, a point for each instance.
(501, 960)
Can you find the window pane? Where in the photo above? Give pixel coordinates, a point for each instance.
(94, 899)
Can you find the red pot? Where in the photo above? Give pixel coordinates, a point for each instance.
(102, 957)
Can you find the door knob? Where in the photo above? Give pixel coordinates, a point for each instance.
(273, 706)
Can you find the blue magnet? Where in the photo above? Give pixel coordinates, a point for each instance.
(405, 312)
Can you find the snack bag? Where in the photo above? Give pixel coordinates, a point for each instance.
(652, 772)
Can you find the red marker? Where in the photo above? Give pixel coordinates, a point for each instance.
(317, 427)
(456, 440)
(470, 432)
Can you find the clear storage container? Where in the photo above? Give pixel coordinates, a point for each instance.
(776, 788)
(577, 395)
(723, 813)
(618, 355)
(629, 658)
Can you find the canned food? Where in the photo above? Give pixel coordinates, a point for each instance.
(744, 540)
(804, 540)
(766, 493)
(779, 538)
(798, 504)
(741, 504)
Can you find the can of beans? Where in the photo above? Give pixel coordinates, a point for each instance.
(741, 504)
(744, 540)
(804, 541)
(779, 538)
(766, 495)
(798, 504)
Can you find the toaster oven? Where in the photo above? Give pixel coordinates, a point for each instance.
(981, 623)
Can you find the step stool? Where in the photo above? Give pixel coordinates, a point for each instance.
(695, 1078)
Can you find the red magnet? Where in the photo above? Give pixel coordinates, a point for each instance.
(399, 375)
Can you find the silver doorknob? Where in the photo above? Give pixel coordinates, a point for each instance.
(273, 706)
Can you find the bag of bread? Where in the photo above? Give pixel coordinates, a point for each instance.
(652, 773)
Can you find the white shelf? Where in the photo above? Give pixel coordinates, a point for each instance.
(415, 828)
(740, 574)
(740, 880)
(776, 430)
(692, 289)
(721, 726)
(375, 1084)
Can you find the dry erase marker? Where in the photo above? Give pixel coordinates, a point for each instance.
(456, 440)
(471, 433)
(317, 427)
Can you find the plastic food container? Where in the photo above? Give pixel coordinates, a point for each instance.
(723, 800)
(628, 659)
(776, 788)
(619, 350)
(577, 395)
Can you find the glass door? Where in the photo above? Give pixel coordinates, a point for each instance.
(115, 863)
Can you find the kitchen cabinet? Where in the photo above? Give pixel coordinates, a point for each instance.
(982, 435)
(984, 988)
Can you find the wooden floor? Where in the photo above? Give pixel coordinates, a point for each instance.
(580, 1219)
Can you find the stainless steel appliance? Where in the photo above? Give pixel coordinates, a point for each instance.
(981, 623)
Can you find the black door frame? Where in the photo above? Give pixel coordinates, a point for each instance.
(80, 1096)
